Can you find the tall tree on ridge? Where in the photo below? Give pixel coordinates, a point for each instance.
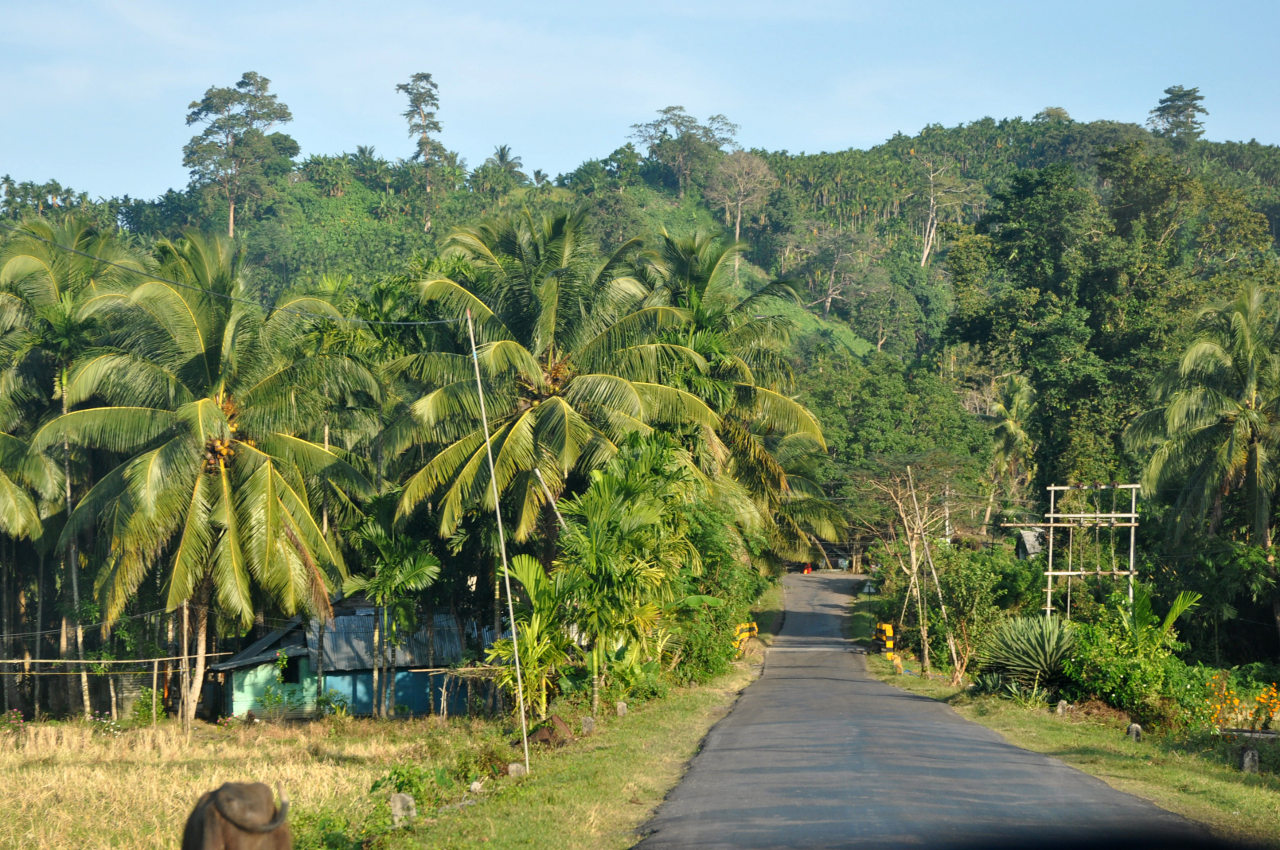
(678, 141)
(740, 184)
(1176, 115)
(424, 100)
(234, 151)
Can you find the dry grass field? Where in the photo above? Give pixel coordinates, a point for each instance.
(79, 785)
(92, 785)
(89, 785)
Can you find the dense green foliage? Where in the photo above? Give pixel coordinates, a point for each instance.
(1127, 658)
(885, 348)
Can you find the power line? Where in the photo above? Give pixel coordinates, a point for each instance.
(226, 297)
(41, 633)
(103, 661)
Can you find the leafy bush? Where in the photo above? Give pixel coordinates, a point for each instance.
(987, 682)
(1155, 688)
(1033, 695)
(634, 677)
(1126, 659)
(703, 633)
(483, 760)
(140, 711)
(412, 779)
(332, 703)
(322, 830)
(1029, 650)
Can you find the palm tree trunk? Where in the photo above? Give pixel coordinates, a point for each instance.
(39, 638)
(497, 604)
(324, 507)
(986, 516)
(185, 668)
(6, 648)
(391, 684)
(196, 681)
(376, 690)
(73, 561)
(595, 682)
(382, 664)
(320, 689)
(64, 650)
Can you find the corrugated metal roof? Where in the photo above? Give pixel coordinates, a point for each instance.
(348, 643)
(265, 646)
(1030, 541)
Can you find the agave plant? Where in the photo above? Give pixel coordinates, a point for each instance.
(1028, 649)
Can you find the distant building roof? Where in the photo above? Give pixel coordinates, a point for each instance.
(1030, 542)
(348, 641)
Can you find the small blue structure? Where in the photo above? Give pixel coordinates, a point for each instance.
(335, 664)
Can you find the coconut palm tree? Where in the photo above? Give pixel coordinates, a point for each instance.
(734, 331)
(205, 395)
(48, 275)
(1215, 429)
(745, 380)
(348, 415)
(1013, 458)
(508, 163)
(568, 361)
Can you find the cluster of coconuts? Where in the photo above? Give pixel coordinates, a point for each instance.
(216, 450)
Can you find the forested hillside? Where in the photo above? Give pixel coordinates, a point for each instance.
(206, 396)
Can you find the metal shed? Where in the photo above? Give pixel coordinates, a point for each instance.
(343, 654)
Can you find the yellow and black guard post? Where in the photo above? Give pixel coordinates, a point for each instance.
(744, 633)
(883, 641)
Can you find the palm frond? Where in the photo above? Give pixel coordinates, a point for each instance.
(117, 429)
(668, 404)
(776, 411)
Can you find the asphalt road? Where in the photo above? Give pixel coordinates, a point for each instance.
(816, 753)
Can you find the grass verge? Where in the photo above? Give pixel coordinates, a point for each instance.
(862, 622)
(1187, 775)
(768, 612)
(596, 792)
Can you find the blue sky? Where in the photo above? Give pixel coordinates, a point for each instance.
(94, 94)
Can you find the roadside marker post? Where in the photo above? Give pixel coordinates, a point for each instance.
(744, 633)
(883, 640)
